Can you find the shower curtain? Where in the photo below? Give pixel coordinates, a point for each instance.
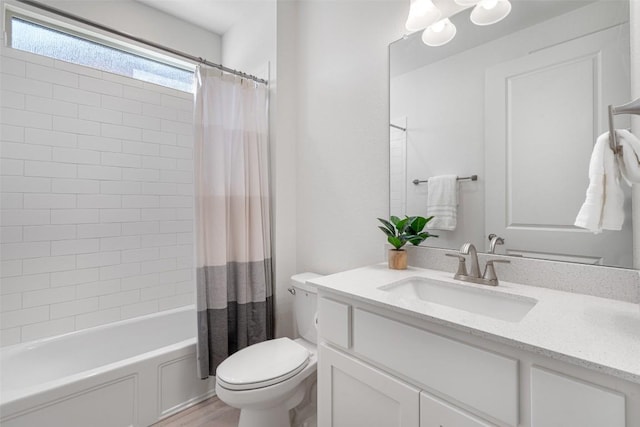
(232, 229)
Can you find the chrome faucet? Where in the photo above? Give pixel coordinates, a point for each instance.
(494, 240)
(469, 249)
(489, 276)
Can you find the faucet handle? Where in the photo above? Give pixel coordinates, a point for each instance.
(490, 271)
(462, 265)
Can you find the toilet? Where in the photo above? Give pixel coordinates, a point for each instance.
(266, 380)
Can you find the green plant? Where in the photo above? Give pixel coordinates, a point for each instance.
(409, 229)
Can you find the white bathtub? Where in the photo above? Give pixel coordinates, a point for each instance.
(129, 373)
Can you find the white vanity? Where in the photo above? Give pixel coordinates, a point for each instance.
(556, 344)
(399, 350)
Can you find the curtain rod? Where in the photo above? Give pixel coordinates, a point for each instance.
(141, 40)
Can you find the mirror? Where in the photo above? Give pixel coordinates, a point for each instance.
(519, 104)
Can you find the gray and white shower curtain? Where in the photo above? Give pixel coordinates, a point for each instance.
(232, 231)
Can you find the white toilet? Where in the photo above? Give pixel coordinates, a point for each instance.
(266, 380)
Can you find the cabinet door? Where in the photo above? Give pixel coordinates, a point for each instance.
(352, 393)
(561, 401)
(455, 369)
(438, 413)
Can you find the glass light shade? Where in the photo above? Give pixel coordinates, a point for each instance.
(489, 12)
(440, 33)
(422, 14)
(466, 3)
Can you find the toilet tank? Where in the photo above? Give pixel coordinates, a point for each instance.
(305, 306)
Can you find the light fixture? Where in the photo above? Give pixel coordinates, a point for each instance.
(439, 33)
(489, 12)
(439, 30)
(466, 3)
(422, 13)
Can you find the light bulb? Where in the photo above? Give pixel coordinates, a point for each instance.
(420, 7)
(422, 13)
(488, 4)
(438, 26)
(489, 12)
(440, 33)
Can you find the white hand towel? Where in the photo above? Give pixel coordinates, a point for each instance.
(442, 202)
(630, 159)
(603, 205)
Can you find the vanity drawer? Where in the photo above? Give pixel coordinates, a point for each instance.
(334, 322)
(481, 379)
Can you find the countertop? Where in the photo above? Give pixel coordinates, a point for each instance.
(597, 333)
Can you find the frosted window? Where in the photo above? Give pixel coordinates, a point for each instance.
(45, 41)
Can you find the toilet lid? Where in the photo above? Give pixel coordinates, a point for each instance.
(263, 364)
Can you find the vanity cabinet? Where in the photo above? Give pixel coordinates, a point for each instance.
(455, 369)
(558, 400)
(435, 412)
(355, 394)
(378, 367)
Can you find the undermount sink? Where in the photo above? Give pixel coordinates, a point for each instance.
(510, 308)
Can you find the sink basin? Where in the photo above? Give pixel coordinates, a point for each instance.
(510, 308)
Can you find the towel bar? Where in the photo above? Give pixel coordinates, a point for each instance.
(398, 127)
(460, 178)
(632, 107)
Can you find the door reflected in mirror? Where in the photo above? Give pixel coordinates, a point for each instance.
(520, 104)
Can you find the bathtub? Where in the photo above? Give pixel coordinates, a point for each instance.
(129, 373)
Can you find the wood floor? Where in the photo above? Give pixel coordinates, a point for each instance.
(210, 413)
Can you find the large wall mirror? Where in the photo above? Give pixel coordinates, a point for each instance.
(519, 104)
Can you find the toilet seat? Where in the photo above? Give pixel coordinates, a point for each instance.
(261, 365)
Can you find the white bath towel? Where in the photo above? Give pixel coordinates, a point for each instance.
(630, 160)
(442, 202)
(603, 205)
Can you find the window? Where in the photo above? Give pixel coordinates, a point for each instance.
(37, 38)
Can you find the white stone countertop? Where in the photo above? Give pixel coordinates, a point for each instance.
(597, 333)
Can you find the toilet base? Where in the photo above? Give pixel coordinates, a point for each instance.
(272, 417)
(275, 416)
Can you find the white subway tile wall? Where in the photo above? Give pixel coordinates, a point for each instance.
(97, 208)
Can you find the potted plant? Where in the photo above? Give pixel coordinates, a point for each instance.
(399, 232)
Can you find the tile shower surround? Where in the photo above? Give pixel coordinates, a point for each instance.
(97, 188)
